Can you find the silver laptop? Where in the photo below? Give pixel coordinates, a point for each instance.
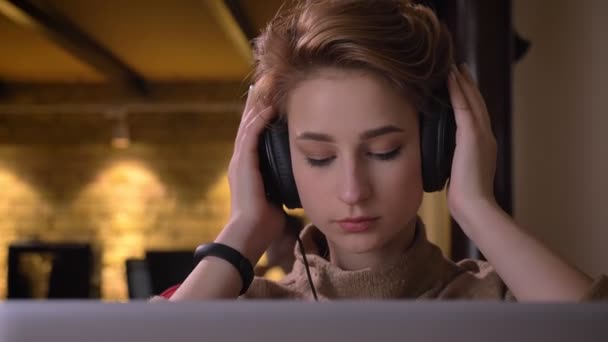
(268, 321)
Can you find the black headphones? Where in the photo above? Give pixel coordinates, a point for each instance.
(437, 143)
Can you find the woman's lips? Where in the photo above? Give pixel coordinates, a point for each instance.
(357, 224)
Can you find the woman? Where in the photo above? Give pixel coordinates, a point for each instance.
(350, 78)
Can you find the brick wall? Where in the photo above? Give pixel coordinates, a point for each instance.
(60, 180)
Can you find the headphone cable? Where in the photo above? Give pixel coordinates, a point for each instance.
(312, 286)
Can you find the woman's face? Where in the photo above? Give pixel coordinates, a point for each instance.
(355, 153)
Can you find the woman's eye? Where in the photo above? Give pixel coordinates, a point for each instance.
(319, 162)
(386, 156)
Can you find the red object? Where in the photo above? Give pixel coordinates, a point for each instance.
(170, 291)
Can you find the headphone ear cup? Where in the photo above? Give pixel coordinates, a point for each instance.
(275, 166)
(437, 144)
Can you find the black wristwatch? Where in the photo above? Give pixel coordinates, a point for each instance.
(242, 264)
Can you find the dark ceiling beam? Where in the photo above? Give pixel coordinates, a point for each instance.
(68, 35)
(53, 93)
(230, 17)
(241, 19)
(200, 97)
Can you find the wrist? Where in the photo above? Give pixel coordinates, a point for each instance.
(475, 214)
(231, 256)
(243, 240)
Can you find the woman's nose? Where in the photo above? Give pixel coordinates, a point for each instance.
(354, 185)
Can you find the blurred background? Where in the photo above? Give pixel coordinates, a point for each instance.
(117, 121)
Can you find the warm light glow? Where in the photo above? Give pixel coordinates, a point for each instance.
(126, 197)
(121, 137)
(16, 202)
(121, 143)
(297, 212)
(217, 202)
(436, 217)
(37, 270)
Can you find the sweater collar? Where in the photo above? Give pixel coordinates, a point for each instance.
(419, 268)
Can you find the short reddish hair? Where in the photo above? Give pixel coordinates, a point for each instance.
(401, 42)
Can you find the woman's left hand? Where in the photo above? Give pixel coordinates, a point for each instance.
(534, 272)
(474, 164)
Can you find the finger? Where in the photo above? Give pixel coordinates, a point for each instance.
(249, 98)
(262, 118)
(472, 83)
(462, 111)
(254, 128)
(466, 92)
(252, 108)
(247, 108)
(250, 105)
(255, 115)
(471, 90)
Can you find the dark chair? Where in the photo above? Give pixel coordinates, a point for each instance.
(167, 268)
(138, 279)
(71, 268)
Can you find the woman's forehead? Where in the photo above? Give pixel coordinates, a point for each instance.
(335, 98)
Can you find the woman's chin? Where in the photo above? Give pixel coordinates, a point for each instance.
(360, 243)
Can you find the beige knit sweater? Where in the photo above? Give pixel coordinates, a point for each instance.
(420, 272)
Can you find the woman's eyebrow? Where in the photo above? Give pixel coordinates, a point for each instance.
(369, 134)
(376, 132)
(315, 136)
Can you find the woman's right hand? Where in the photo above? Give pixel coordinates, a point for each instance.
(254, 222)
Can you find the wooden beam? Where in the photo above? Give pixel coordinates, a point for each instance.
(194, 96)
(230, 16)
(236, 9)
(62, 31)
